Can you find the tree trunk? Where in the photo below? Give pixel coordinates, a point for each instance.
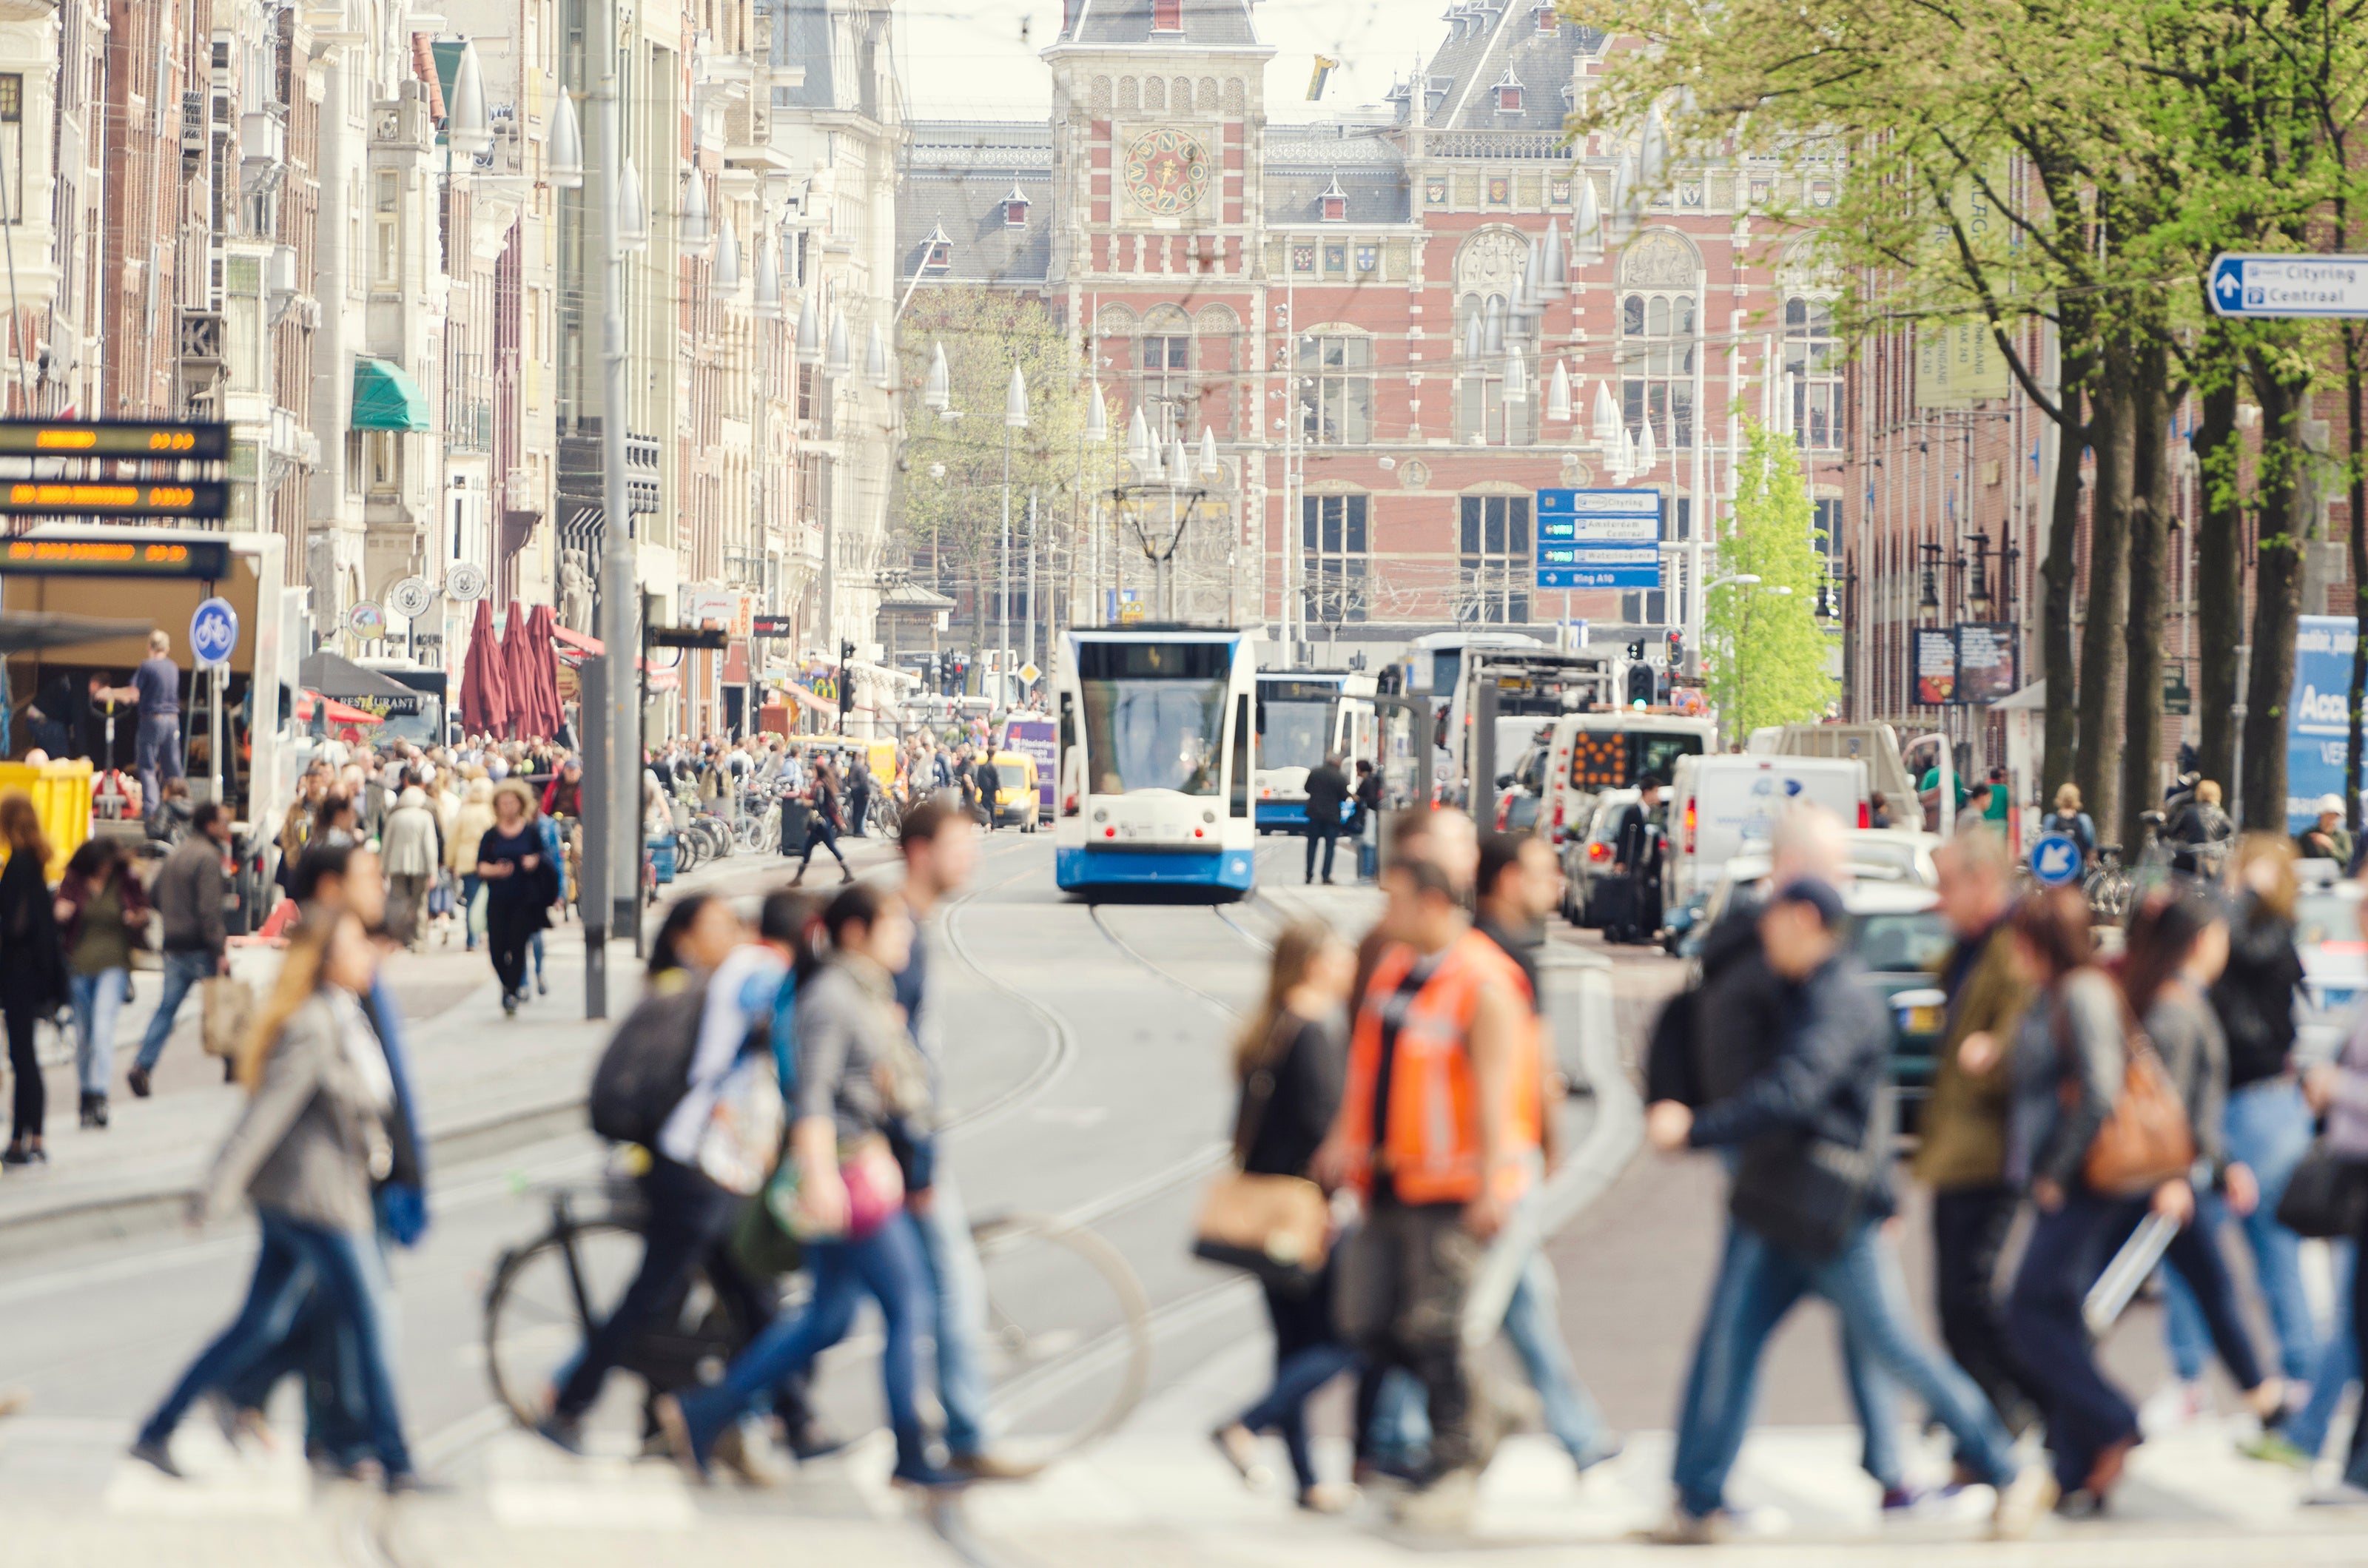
(2219, 579)
(2277, 589)
(2056, 576)
(2096, 764)
(2150, 509)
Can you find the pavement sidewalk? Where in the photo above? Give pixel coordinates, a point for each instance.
(486, 1083)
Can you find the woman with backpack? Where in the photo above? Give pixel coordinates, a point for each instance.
(862, 1092)
(2069, 820)
(102, 916)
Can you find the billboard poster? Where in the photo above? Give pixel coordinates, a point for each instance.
(1986, 663)
(2319, 715)
(1933, 658)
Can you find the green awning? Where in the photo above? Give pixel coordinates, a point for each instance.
(386, 398)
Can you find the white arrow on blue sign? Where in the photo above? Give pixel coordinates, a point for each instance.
(2290, 285)
(213, 631)
(2055, 859)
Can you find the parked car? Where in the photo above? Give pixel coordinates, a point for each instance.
(1587, 856)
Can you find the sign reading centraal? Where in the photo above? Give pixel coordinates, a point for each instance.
(2290, 285)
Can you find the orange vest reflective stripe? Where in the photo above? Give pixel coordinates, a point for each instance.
(1431, 1146)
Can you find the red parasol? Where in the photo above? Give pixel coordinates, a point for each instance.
(542, 622)
(528, 720)
(485, 695)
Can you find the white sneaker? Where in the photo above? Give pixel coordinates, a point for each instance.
(2023, 1502)
(2172, 1407)
(2343, 1495)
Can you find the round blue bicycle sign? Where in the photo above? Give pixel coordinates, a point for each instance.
(2055, 859)
(213, 631)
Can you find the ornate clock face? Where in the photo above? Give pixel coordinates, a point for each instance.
(1165, 171)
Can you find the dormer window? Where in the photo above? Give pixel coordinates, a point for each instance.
(1332, 205)
(1167, 16)
(937, 250)
(1014, 209)
(1547, 17)
(1509, 94)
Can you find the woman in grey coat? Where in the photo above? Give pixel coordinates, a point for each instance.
(304, 1151)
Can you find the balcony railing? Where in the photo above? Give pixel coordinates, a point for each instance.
(1496, 145)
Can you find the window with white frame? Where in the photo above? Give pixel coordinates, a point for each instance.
(1165, 370)
(1482, 414)
(387, 252)
(1657, 367)
(1336, 393)
(1813, 369)
(1334, 544)
(1496, 568)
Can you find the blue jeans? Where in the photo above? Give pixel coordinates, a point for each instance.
(97, 998)
(1758, 1284)
(2339, 1363)
(324, 1354)
(888, 1266)
(297, 1258)
(470, 884)
(959, 1288)
(2269, 1133)
(157, 756)
(181, 971)
(1401, 1427)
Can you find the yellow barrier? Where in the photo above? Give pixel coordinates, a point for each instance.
(60, 792)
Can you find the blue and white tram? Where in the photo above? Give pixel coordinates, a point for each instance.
(1302, 717)
(1156, 730)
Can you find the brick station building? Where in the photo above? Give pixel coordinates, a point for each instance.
(1377, 258)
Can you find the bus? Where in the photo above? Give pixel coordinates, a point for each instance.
(1302, 717)
(1155, 737)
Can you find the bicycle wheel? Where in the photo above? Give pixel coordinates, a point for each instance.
(1068, 1333)
(535, 1319)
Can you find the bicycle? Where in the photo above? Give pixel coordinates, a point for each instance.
(1062, 1305)
(2108, 884)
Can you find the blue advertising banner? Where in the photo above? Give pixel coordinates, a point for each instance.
(2319, 722)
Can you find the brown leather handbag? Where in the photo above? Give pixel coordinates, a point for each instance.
(2146, 1140)
(1276, 1227)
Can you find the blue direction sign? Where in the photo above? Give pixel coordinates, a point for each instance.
(2055, 859)
(2290, 285)
(1599, 538)
(213, 631)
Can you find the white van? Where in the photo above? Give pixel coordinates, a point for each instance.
(1590, 753)
(1717, 803)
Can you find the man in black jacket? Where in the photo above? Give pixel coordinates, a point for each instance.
(1636, 859)
(988, 779)
(1814, 1129)
(1328, 792)
(189, 896)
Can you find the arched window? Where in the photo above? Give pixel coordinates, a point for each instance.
(1813, 372)
(1657, 367)
(1336, 541)
(1165, 366)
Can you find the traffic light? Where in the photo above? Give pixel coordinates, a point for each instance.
(1677, 650)
(1640, 678)
(1637, 649)
(846, 680)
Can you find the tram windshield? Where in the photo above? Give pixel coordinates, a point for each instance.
(1155, 714)
(1295, 721)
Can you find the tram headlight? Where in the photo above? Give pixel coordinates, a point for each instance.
(1102, 813)
(1208, 817)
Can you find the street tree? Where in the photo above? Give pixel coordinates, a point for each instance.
(1764, 654)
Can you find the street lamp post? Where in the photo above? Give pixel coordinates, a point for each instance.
(1015, 417)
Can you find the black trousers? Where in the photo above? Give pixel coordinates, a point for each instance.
(820, 832)
(1327, 833)
(31, 1098)
(689, 1218)
(1969, 1229)
(508, 928)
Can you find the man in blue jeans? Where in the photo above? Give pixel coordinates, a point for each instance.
(940, 846)
(157, 689)
(1825, 1090)
(188, 897)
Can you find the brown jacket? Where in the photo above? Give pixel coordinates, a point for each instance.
(1964, 1126)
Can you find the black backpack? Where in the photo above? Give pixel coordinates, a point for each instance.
(645, 1071)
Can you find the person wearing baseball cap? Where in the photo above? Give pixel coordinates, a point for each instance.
(1808, 1205)
(2328, 839)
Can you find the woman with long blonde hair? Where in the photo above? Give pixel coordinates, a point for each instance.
(1290, 1059)
(306, 1150)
